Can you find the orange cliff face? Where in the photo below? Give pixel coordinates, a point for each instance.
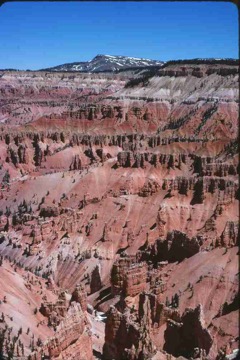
(119, 213)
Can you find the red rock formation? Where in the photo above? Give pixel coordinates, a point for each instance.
(79, 295)
(72, 333)
(188, 334)
(125, 339)
(135, 280)
(55, 312)
(132, 178)
(229, 236)
(118, 274)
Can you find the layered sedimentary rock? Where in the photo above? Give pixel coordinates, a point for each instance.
(79, 295)
(120, 189)
(73, 339)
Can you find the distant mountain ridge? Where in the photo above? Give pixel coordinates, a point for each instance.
(118, 63)
(104, 63)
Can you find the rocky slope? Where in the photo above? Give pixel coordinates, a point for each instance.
(119, 213)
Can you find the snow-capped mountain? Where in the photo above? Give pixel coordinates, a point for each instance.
(105, 63)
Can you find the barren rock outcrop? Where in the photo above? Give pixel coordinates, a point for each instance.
(125, 339)
(188, 334)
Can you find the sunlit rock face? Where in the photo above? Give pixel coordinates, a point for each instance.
(119, 212)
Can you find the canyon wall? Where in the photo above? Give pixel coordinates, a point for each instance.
(119, 213)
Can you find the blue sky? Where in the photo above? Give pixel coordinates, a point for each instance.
(40, 34)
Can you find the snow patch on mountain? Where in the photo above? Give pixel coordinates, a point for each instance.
(103, 63)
